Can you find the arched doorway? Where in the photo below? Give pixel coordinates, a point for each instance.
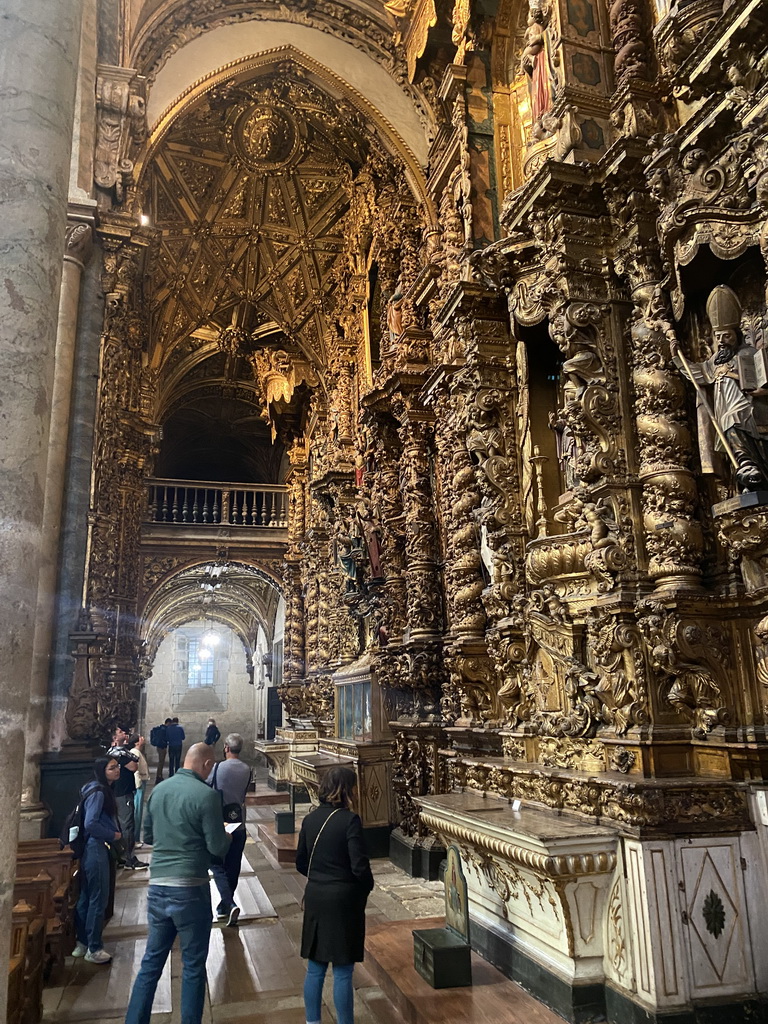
(213, 636)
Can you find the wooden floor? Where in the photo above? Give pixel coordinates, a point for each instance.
(490, 999)
(255, 974)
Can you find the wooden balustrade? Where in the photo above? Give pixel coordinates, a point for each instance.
(202, 503)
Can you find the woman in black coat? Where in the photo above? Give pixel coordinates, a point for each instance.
(331, 853)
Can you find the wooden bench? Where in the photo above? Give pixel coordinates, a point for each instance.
(43, 856)
(31, 899)
(22, 917)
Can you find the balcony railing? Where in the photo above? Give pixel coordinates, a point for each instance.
(202, 503)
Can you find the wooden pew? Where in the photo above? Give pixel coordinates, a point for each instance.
(32, 901)
(44, 856)
(22, 917)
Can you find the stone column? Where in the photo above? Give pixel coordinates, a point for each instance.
(39, 54)
(77, 249)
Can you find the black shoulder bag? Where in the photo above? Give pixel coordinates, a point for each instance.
(232, 812)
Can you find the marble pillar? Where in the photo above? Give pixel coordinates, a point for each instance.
(77, 249)
(39, 55)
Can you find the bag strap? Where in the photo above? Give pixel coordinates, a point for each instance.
(215, 773)
(312, 854)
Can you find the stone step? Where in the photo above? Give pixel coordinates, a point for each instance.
(263, 795)
(282, 847)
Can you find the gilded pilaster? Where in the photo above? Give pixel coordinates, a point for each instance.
(423, 590)
(125, 450)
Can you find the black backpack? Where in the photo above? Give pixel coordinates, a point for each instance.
(157, 735)
(72, 833)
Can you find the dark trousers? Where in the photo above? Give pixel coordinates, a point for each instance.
(125, 816)
(174, 760)
(227, 875)
(94, 894)
(161, 752)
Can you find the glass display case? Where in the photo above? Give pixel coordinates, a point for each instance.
(353, 714)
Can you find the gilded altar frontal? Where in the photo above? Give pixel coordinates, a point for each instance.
(388, 380)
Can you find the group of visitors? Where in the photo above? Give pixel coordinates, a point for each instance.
(168, 739)
(195, 825)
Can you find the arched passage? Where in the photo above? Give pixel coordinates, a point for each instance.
(210, 633)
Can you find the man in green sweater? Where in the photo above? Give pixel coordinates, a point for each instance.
(183, 821)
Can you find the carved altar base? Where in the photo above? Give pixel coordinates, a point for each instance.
(279, 751)
(597, 923)
(538, 890)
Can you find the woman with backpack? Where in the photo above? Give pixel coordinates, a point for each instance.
(99, 815)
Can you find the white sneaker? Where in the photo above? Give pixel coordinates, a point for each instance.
(101, 956)
(80, 949)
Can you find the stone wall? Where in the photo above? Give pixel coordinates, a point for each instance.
(231, 699)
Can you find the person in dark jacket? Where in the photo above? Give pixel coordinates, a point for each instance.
(101, 829)
(158, 737)
(212, 734)
(176, 737)
(331, 853)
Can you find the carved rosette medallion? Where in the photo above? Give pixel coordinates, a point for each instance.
(266, 137)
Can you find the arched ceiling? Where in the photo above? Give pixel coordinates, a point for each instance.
(248, 189)
(226, 45)
(176, 43)
(241, 596)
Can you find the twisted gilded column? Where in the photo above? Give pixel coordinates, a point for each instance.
(39, 52)
(423, 602)
(293, 657)
(460, 501)
(673, 535)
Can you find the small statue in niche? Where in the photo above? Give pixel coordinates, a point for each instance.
(371, 530)
(348, 556)
(535, 61)
(737, 375)
(567, 449)
(395, 315)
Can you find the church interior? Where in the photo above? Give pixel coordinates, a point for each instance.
(388, 380)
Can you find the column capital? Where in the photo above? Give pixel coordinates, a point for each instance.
(78, 243)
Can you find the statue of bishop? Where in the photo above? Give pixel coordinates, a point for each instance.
(736, 374)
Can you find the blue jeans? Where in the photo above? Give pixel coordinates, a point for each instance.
(94, 894)
(172, 910)
(343, 998)
(138, 810)
(226, 875)
(174, 760)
